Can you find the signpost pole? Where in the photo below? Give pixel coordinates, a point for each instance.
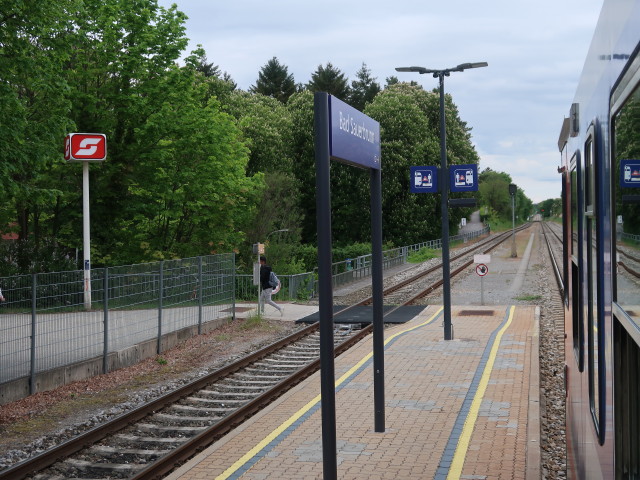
(86, 235)
(325, 287)
(377, 294)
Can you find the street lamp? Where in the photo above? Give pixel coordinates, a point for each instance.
(258, 249)
(446, 274)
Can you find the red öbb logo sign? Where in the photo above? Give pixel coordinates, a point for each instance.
(85, 147)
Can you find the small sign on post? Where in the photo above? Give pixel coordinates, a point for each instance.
(482, 270)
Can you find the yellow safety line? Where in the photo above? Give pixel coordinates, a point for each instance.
(465, 437)
(291, 420)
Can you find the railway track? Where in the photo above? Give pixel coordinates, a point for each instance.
(153, 439)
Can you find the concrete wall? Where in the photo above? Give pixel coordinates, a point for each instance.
(48, 380)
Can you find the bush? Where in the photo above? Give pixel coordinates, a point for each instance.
(423, 255)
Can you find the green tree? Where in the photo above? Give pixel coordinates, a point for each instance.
(494, 192)
(300, 106)
(363, 89)
(274, 80)
(33, 107)
(267, 129)
(331, 80)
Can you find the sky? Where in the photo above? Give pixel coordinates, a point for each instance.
(514, 107)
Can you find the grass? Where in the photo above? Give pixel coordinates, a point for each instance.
(423, 255)
(528, 298)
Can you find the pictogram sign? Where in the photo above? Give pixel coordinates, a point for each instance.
(482, 269)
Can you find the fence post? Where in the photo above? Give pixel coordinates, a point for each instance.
(160, 296)
(32, 373)
(105, 296)
(233, 290)
(200, 289)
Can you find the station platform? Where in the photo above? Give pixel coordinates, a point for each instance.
(462, 408)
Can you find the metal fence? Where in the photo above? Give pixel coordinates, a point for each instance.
(44, 324)
(304, 285)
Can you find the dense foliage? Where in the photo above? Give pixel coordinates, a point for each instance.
(194, 166)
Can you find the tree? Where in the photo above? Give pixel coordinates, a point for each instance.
(363, 89)
(493, 190)
(330, 80)
(267, 129)
(33, 107)
(275, 81)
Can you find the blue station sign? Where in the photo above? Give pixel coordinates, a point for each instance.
(354, 138)
(630, 173)
(463, 178)
(424, 179)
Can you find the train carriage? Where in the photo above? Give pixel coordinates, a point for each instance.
(600, 147)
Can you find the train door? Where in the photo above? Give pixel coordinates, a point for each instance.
(625, 167)
(594, 283)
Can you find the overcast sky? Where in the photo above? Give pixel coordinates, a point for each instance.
(515, 106)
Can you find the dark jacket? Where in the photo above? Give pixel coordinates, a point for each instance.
(265, 273)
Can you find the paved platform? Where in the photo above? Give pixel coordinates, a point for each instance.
(463, 408)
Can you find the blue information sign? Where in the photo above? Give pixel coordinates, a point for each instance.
(424, 179)
(354, 138)
(630, 173)
(463, 178)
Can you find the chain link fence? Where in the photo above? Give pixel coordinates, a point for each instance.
(44, 324)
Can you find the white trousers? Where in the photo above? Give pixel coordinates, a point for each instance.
(265, 297)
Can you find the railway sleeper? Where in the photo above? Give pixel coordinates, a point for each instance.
(128, 440)
(169, 431)
(237, 394)
(245, 385)
(263, 378)
(216, 405)
(288, 355)
(85, 467)
(184, 419)
(222, 402)
(195, 410)
(127, 454)
(265, 367)
(290, 362)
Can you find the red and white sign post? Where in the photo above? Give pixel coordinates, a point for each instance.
(86, 148)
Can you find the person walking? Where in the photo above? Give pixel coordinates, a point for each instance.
(268, 281)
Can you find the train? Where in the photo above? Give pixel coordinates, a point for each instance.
(599, 146)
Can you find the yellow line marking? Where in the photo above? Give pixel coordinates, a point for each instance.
(291, 420)
(467, 430)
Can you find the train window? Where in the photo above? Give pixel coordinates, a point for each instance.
(625, 194)
(626, 185)
(594, 327)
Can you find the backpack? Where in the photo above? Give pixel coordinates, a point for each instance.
(273, 280)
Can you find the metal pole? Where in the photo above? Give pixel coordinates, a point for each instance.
(199, 290)
(376, 291)
(105, 346)
(514, 252)
(258, 274)
(325, 287)
(160, 297)
(34, 306)
(86, 240)
(444, 186)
